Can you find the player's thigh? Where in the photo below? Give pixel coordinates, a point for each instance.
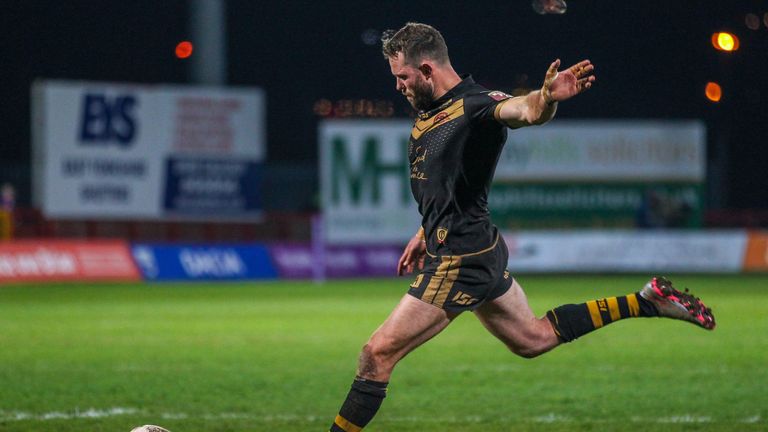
(510, 318)
(410, 324)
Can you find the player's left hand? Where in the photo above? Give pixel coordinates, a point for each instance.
(413, 255)
(562, 85)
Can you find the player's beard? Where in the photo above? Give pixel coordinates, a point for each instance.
(422, 95)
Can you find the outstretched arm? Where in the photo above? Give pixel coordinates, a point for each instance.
(538, 107)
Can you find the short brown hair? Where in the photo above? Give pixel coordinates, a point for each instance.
(416, 41)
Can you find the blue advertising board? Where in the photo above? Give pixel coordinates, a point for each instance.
(220, 187)
(203, 262)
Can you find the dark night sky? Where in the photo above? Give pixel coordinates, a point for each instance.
(653, 59)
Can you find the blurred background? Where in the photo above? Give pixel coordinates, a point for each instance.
(206, 120)
(208, 144)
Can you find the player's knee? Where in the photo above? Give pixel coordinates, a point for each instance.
(374, 363)
(376, 354)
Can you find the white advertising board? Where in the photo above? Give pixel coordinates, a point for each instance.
(711, 251)
(111, 150)
(657, 151)
(365, 182)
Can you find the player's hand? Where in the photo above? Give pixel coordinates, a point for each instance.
(562, 85)
(413, 255)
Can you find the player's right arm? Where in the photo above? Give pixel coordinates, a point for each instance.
(413, 255)
(538, 107)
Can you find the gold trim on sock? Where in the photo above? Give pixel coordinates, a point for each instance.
(613, 308)
(594, 312)
(634, 308)
(347, 425)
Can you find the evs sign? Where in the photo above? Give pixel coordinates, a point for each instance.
(126, 151)
(365, 182)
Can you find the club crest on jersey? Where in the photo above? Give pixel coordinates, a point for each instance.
(498, 95)
(442, 233)
(440, 117)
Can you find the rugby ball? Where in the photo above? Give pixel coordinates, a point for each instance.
(150, 428)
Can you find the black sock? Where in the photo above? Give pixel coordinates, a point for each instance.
(362, 403)
(572, 321)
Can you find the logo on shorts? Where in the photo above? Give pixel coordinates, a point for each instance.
(464, 299)
(442, 233)
(498, 95)
(506, 274)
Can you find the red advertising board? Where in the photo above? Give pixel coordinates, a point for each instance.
(66, 260)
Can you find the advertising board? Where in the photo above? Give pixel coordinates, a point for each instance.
(711, 251)
(111, 150)
(365, 182)
(595, 173)
(203, 262)
(66, 260)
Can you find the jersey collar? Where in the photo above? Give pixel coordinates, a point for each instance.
(447, 98)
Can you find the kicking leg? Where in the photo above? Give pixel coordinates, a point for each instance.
(410, 324)
(511, 320)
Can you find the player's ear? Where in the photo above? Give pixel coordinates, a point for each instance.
(426, 70)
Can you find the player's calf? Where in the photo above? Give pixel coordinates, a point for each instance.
(533, 341)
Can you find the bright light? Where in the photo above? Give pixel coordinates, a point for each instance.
(725, 41)
(184, 49)
(713, 91)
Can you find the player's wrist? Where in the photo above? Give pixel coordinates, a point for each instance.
(546, 96)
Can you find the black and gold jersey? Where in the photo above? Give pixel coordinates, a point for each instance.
(453, 151)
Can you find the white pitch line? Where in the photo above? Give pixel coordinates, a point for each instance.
(687, 418)
(753, 419)
(552, 418)
(60, 415)
(547, 418)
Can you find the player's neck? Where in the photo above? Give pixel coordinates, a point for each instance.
(445, 79)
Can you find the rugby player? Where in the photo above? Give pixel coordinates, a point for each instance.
(461, 257)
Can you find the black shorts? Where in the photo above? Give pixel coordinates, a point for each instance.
(458, 283)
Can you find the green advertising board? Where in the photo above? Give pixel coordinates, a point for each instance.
(582, 205)
(365, 182)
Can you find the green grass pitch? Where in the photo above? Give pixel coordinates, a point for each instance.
(275, 356)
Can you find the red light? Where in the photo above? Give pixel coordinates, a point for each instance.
(184, 49)
(713, 91)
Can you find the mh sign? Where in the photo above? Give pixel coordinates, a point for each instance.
(365, 182)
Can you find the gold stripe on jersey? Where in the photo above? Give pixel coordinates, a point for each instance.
(491, 247)
(450, 113)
